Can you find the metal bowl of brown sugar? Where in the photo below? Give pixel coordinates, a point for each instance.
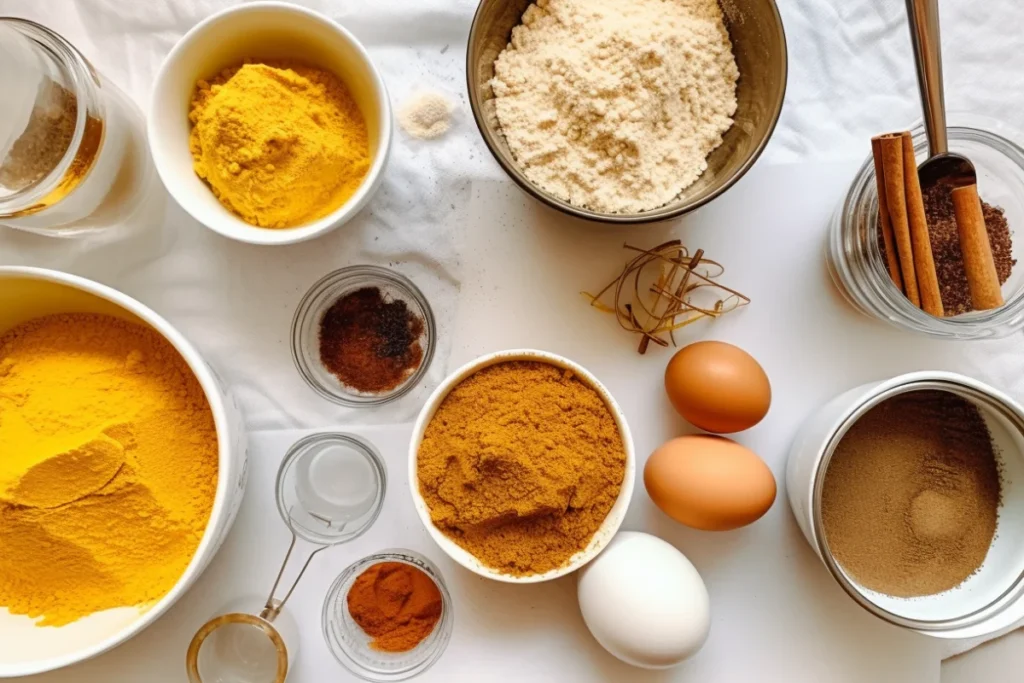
(759, 46)
(911, 492)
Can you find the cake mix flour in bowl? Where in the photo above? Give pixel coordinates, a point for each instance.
(614, 106)
(625, 111)
(122, 466)
(109, 467)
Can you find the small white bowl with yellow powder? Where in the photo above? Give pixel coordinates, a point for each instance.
(269, 124)
(122, 464)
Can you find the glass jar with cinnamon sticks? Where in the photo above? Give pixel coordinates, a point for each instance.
(858, 258)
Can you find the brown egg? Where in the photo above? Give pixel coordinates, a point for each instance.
(718, 387)
(709, 482)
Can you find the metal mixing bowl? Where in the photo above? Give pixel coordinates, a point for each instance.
(759, 43)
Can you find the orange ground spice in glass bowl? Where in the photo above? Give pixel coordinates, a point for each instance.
(366, 633)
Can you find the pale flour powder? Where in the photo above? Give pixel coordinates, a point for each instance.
(427, 115)
(614, 105)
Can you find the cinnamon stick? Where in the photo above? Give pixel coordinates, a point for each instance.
(673, 305)
(921, 242)
(982, 278)
(896, 200)
(888, 238)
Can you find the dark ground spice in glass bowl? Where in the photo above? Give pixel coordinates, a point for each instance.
(369, 342)
(363, 336)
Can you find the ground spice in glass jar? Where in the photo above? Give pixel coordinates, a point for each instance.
(945, 242)
(44, 141)
(369, 341)
(396, 604)
(911, 495)
(945, 239)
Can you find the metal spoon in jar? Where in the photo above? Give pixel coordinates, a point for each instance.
(941, 164)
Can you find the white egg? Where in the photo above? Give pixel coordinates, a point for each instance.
(644, 601)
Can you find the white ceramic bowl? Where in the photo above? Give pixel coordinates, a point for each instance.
(260, 30)
(605, 532)
(27, 293)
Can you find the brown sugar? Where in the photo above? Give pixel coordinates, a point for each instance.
(911, 495)
(520, 466)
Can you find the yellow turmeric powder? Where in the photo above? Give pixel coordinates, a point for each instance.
(280, 144)
(108, 467)
(520, 465)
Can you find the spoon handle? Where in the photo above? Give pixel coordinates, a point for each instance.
(924, 32)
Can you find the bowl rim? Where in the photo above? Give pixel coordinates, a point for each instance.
(213, 391)
(245, 232)
(612, 522)
(654, 215)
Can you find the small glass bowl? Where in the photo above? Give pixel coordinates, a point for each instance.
(855, 262)
(331, 487)
(321, 296)
(351, 646)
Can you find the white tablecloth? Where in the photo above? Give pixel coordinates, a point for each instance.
(850, 76)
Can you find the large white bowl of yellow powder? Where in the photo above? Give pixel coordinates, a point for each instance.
(270, 124)
(121, 468)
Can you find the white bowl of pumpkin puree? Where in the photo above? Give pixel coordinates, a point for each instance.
(521, 466)
(122, 464)
(270, 124)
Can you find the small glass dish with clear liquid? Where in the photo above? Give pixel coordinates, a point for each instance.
(330, 490)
